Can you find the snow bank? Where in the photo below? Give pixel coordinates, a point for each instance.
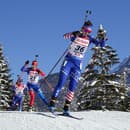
(93, 120)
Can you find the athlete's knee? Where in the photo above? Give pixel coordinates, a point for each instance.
(31, 93)
(75, 75)
(56, 91)
(39, 91)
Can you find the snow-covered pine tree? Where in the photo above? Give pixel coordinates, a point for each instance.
(5, 82)
(26, 102)
(124, 81)
(102, 89)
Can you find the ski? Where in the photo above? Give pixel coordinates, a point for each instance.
(46, 114)
(70, 116)
(53, 113)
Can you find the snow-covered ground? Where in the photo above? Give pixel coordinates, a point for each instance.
(93, 120)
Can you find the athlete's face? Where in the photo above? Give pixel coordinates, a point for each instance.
(86, 30)
(19, 83)
(34, 66)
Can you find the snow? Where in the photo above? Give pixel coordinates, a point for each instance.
(114, 82)
(93, 120)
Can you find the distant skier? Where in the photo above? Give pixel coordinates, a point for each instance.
(33, 78)
(18, 98)
(72, 65)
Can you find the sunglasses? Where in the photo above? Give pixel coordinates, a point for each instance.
(87, 29)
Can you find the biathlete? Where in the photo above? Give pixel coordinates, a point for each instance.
(18, 97)
(72, 65)
(33, 82)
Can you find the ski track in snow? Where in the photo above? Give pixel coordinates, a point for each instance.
(93, 120)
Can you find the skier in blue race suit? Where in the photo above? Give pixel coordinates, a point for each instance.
(72, 65)
(18, 98)
(33, 82)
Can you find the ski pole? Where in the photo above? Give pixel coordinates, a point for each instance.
(25, 65)
(88, 12)
(48, 84)
(21, 75)
(57, 62)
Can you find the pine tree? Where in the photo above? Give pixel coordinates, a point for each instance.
(26, 102)
(5, 82)
(102, 89)
(124, 81)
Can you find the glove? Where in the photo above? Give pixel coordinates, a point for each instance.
(76, 33)
(27, 62)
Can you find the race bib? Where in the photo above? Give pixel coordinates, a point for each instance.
(19, 90)
(33, 77)
(78, 47)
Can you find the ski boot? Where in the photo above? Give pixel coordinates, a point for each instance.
(52, 105)
(66, 111)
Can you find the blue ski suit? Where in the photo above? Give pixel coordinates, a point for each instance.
(32, 84)
(19, 96)
(72, 64)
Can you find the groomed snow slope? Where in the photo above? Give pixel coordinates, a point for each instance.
(93, 120)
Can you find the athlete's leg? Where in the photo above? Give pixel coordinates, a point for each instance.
(75, 74)
(20, 103)
(14, 102)
(41, 95)
(64, 72)
(32, 98)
